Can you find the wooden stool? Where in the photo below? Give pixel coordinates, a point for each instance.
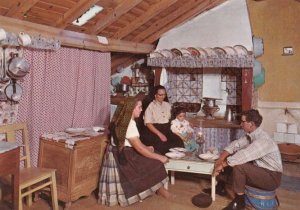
(260, 199)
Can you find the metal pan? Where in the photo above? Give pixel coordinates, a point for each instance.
(18, 67)
(13, 91)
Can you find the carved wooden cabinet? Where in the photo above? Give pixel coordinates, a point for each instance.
(78, 168)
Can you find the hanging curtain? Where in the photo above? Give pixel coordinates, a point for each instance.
(66, 88)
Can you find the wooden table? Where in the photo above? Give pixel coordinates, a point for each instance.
(77, 166)
(192, 164)
(9, 162)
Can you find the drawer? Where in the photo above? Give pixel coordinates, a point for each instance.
(190, 166)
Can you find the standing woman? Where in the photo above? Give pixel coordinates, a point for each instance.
(131, 171)
(157, 120)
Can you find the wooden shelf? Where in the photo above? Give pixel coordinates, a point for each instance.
(213, 123)
(120, 98)
(117, 99)
(140, 85)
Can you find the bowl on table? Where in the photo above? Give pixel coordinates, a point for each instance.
(209, 156)
(178, 149)
(175, 155)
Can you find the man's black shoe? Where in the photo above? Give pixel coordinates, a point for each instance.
(220, 189)
(236, 204)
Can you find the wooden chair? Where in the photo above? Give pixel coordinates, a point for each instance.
(32, 179)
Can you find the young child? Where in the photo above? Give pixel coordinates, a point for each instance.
(181, 127)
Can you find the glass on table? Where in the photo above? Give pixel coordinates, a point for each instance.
(200, 139)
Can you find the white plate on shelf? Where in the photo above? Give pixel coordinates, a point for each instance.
(75, 130)
(175, 155)
(178, 149)
(208, 156)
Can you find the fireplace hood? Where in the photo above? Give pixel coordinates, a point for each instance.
(226, 26)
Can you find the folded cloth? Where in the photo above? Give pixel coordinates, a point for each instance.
(7, 146)
(202, 200)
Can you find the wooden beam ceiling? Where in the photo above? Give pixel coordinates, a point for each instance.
(160, 23)
(131, 26)
(75, 12)
(203, 6)
(149, 14)
(123, 61)
(112, 16)
(73, 39)
(20, 8)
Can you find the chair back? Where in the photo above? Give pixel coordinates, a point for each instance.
(11, 132)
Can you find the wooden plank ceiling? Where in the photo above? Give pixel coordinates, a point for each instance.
(137, 21)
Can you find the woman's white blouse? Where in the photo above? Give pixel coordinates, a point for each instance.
(131, 132)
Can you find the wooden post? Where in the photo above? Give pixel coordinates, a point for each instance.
(247, 75)
(157, 76)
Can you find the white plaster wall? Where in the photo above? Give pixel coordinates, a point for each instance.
(274, 112)
(225, 25)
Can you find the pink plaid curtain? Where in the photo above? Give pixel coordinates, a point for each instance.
(66, 88)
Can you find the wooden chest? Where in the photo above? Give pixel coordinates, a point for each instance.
(77, 168)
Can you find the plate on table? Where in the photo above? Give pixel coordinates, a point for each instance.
(178, 149)
(75, 130)
(208, 156)
(175, 155)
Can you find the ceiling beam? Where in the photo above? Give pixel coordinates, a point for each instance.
(184, 18)
(75, 12)
(124, 62)
(112, 16)
(73, 39)
(153, 11)
(20, 8)
(160, 23)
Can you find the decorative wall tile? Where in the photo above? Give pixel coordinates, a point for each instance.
(187, 84)
(232, 77)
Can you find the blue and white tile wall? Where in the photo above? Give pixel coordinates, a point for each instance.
(232, 77)
(186, 85)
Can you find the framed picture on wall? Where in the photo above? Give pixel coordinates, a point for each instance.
(288, 51)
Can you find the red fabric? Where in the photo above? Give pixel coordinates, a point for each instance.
(66, 88)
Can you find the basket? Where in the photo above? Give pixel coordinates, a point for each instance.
(289, 152)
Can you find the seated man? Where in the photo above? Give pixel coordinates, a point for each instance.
(255, 160)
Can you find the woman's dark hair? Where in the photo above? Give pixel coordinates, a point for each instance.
(157, 88)
(253, 115)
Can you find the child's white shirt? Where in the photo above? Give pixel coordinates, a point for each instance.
(181, 127)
